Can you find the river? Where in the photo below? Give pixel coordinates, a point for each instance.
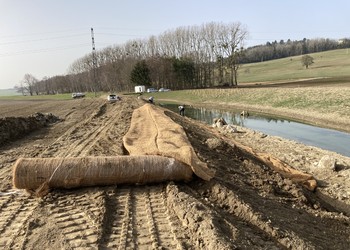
(324, 138)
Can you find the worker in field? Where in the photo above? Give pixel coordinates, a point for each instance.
(150, 100)
(182, 110)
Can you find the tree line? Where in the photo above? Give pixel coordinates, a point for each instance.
(282, 49)
(187, 57)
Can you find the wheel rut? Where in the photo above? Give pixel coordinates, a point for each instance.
(140, 219)
(15, 212)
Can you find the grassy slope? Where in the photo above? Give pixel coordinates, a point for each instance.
(335, 63)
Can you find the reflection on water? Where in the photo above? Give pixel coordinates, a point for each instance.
(328, 139)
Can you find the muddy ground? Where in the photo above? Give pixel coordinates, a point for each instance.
(245, 206)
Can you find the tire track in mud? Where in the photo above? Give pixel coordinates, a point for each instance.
(66, 144)
(128, 217)
(15, 212)
(92, 136)
(96, 132)
(139, 219)
(78, 218)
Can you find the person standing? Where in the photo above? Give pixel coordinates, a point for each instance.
(182, 110)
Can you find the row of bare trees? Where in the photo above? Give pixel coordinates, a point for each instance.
(187, 57)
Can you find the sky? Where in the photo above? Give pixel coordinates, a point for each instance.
(44, 37)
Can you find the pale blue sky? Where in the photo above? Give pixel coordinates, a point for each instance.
(43, 37)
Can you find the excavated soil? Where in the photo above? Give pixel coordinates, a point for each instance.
(245, 206)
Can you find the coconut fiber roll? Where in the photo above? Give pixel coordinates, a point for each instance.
(152, 132)
(31, 173)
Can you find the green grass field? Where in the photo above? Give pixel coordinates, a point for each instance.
(319, 99)
(329, 64)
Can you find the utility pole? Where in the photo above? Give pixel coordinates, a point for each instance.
(94, 62)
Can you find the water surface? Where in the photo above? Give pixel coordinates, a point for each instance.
(324, 138)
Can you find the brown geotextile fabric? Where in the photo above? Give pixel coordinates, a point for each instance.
(287, 171)
(71, 172)
(153, 133)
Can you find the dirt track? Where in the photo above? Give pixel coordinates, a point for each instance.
(246, 205)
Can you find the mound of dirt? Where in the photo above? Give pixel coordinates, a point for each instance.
(16, 127)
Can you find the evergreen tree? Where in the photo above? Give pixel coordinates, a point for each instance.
(185, 71)
(140, 75)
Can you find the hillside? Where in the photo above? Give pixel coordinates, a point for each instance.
(329, 64)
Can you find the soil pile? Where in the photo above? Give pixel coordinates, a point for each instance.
(15, 127)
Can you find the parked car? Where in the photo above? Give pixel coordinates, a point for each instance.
(150, 90)
(163, 90)
(78, 95)
(113, 98)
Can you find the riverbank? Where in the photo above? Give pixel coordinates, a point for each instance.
(324, 120)
(324, 106)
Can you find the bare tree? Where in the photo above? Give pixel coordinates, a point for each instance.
(230, 43)
(29, 82)
(20, 89)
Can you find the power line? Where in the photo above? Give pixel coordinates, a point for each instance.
(42, 33)
(42, 39)
(117, 34)
(24, 52)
